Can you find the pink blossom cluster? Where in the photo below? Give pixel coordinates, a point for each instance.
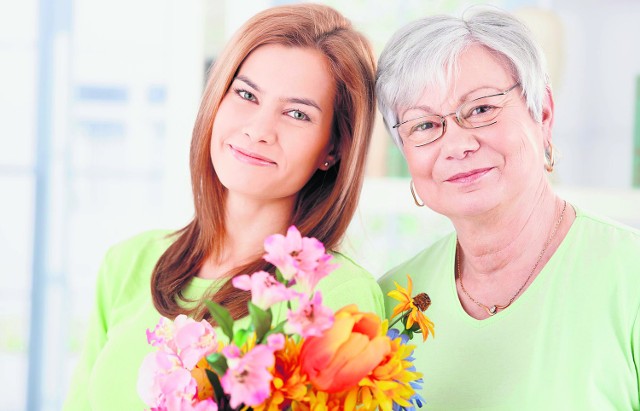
(165, 381)
(248, 379)
(301, 259)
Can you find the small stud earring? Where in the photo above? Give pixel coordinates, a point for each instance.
(326, 164)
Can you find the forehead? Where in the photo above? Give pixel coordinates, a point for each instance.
(476, 72)
(290, 72)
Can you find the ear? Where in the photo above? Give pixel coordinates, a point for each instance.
(547, 115)
(328, 160)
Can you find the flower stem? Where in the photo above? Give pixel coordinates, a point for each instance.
(396, 321)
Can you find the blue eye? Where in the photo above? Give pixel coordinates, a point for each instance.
(298, 115)
(424, 126)
(244, 94)
(480, 110)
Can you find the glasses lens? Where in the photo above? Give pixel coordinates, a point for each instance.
(481, 112)
(422, 130)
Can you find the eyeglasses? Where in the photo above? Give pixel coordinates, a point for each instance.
(476, 113)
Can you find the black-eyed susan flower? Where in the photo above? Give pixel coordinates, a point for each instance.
(411, 310)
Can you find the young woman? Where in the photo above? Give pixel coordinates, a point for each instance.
(280, 139)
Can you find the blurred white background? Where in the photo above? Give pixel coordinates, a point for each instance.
(97, 101)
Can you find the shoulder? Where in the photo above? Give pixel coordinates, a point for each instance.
(139, 248)
(347, 273)
(612, 236)
(128, 265)
(430, 258)
(351, 283)
(347, 265)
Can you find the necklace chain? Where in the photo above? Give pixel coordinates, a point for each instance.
(492, 310)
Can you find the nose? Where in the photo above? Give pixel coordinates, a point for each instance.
(457, 141)
(261, 127)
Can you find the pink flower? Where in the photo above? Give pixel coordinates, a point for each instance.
(311, 318)
(265, 289)
(309, 254)
(162, 380)
(206, 405)
(187, 339)
(161, 334)
(298, 258)
(178, 389)
(308, 279)
(165, 385)
(193, 340)
(281, 250)
(248, 379)
(275, 342)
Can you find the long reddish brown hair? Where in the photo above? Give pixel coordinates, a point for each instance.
(326, 204)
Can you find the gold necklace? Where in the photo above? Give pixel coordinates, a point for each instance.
(495, 308)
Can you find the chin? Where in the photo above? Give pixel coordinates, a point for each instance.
(467, 207)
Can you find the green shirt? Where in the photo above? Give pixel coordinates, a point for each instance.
(116, 342)
(571, 341)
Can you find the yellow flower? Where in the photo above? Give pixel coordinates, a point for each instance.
(205, 390)
(289, 383)
(412, 308)
(319, 401)
(389, 382)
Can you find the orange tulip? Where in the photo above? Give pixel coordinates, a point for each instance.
(346, 353)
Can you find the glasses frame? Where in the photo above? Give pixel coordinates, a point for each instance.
(443, 118)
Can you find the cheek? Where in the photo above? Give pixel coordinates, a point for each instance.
(419, 162)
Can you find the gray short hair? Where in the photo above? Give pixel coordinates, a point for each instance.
(424, 54)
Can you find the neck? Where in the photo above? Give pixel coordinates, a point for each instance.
(510, 235)
(248, 223)
(499, 257)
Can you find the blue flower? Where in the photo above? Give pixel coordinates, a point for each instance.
(416, 399)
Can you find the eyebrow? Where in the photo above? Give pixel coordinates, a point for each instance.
(297, 100)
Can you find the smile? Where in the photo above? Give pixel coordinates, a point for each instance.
(468, 177)
(248, 157)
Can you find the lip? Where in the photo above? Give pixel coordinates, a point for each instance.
(469, 176)
(250, 157)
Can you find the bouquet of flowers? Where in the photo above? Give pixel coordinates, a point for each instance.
(314, 359)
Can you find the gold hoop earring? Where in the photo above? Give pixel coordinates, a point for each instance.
(415, 197)
(550, 159)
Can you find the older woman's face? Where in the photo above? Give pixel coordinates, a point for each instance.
(471, 171)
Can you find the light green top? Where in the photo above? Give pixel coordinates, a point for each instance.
(570, 342)
(116, 342)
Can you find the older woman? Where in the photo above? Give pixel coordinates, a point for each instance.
(535, 300)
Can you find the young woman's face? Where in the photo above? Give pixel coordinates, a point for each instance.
(273, 128)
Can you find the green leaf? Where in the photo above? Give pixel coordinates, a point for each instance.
(277, 329)
(218, 362)
(214, 379)
(280, 277)
(241, 337)
(260, 319)
(222, 317)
